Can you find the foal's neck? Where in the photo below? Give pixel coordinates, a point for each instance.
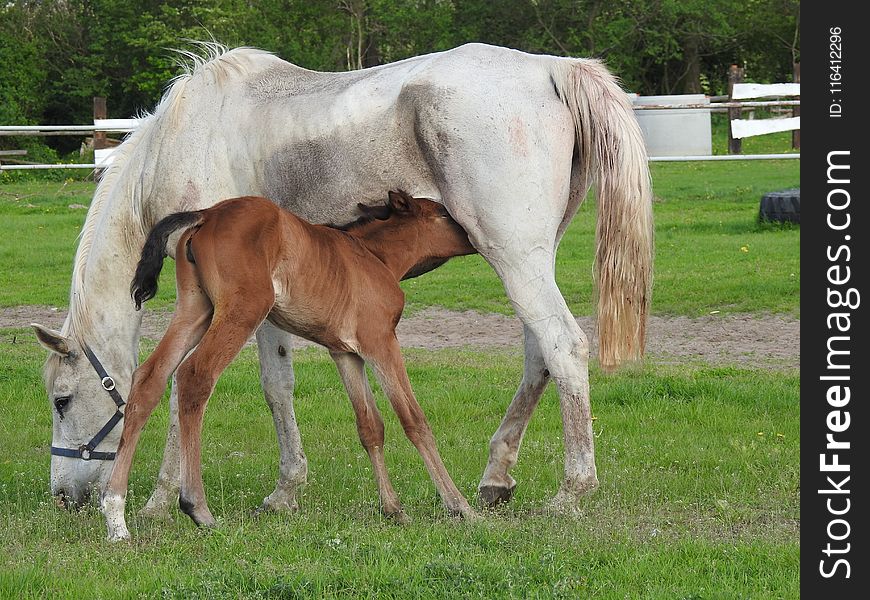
(399, 250)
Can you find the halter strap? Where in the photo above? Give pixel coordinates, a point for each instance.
(86, 451)
(107, 382)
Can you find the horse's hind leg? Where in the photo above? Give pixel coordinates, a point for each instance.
(526, 269)
(514, 214)
(231, 327)
(530, 283)
(497, 485)
(370, 427)
(276, 378)
(386, 360)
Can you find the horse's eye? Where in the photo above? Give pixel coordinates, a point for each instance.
(60, 403)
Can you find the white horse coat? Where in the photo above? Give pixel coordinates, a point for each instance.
(509, 142)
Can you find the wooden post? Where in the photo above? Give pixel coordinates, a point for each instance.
(796, 111)
(99, 136)
(735, 75)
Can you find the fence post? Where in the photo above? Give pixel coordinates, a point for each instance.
(796, 111)
(100, 141)
(735, 75)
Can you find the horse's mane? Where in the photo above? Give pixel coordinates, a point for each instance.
(124, 179)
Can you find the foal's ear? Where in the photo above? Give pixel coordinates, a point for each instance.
(52, 340)
(401, 201)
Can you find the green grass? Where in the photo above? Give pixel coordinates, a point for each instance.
(711, 253)
(698, 497)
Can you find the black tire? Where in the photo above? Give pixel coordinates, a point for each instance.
(783, 206)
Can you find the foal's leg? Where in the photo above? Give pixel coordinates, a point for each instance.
(231, 327)
(389, 367)
(188, 325)
(370, 427)
(276, 378)
(497, 485)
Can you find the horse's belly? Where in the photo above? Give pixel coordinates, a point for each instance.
(340, 151)
(322, 181)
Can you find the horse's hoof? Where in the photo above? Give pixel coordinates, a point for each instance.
(399, 517)
(464, 512)
(157, 513)
(272, 506)
(568, 500)
(470, 515)
(118, 534)
(281, 500)
(493, 495)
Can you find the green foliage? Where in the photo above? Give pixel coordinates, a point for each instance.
(55, 56)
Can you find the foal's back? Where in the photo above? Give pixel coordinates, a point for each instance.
(330, 285)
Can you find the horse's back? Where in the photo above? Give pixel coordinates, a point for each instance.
(316, 143)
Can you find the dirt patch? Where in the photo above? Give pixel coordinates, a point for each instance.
(743, 340)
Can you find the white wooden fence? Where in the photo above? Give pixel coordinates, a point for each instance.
(744, 128)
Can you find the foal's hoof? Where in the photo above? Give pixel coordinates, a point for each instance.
(493, 495)
(201, 515)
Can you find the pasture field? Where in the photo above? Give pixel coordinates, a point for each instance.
(699, 463)
(698, 497)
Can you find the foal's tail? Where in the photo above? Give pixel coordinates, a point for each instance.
(144, 284)
(612, 153)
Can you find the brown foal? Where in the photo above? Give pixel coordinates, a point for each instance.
(245, 260)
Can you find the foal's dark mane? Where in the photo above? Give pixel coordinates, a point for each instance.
(380, 213)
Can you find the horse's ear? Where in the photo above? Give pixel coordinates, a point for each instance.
(401, 201)
(52, 340)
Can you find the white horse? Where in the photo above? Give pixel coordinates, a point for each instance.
(509, 142)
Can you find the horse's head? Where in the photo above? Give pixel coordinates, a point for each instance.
(82, 406)
(428, 228)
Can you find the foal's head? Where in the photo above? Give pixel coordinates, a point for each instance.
(416, 227)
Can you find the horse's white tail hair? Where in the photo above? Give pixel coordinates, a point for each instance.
(612, 153)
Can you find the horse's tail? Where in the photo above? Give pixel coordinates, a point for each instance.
(612, 153)
(144, 284)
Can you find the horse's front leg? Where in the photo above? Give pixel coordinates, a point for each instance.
(276, 377)
(165, 494)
